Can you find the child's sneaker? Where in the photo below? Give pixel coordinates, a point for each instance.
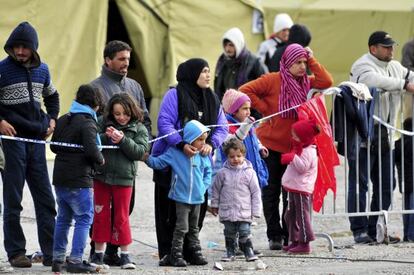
(97, 260)
(126, 263)
(83, 267)
(57, 266)
(112, 259)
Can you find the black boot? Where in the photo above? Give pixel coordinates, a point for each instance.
(176, 257)
(230, 251)
(165, 261)
(255, 251)
(247, 248)
(196, 257)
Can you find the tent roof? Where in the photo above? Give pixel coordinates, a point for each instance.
(348, 5)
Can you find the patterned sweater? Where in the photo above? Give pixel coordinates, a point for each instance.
(21, 90)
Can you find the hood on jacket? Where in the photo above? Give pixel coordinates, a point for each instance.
(235, 36)
(24, 34)
(193, 130)
(282, 21)
(300, 34)
(245, 165)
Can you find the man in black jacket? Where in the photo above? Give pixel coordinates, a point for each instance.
(24, 82)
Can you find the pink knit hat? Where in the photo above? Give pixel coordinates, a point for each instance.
(233, 100)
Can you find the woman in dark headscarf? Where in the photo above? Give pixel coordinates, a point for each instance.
(191, 99)
(273, 93)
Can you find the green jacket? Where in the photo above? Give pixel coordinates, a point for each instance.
(121, 164)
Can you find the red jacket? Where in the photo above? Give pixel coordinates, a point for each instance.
(275, 133)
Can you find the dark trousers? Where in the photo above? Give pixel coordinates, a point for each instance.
(165, 216)
(186, 225)
(271, 198)
(298, 219)
(27, 162)
(364, 223)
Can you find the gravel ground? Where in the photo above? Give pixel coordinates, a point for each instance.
(346, 258)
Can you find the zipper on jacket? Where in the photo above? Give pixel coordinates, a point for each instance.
(191, 179)
(173, 184)
(30, 90)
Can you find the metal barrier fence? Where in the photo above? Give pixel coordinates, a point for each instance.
(362, 156)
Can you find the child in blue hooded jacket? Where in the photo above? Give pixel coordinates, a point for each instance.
(191, 178)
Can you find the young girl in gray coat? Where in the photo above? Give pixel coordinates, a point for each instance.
(236, 198)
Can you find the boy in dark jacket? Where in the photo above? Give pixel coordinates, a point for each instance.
(408, 219)
(73, 177)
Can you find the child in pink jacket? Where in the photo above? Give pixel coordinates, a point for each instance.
(236, 198)
(299, 181)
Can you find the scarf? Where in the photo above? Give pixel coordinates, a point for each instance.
(78, 108)
(293, 89)
(193, 101)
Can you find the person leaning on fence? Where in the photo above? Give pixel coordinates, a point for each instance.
(299, 182)
(24, 81)
(377, 69)
(272, 93)
(406, 157)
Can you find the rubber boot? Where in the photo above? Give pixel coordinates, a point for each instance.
(247, 248)
(230, 251)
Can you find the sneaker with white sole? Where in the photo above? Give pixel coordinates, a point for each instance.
(97, 260)
(126, 263)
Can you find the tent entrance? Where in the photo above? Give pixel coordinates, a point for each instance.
(117, 31)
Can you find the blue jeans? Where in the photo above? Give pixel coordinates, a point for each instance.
(364, 223)
(232, 228)
(77, 204)
(27, 162)
(408, 219)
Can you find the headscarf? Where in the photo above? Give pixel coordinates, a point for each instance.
(293, 89)
(192, 98)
